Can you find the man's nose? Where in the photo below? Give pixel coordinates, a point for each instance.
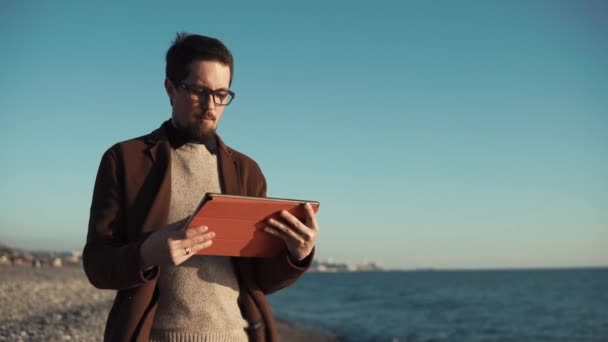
(207, 102)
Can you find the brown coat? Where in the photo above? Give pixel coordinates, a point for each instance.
(131, 200)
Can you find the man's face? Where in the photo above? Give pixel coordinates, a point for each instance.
(197, 117)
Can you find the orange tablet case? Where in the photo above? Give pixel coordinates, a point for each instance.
(238, 223)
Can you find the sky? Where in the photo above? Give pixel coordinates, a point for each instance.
(435, 134)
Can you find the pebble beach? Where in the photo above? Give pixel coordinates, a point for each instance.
(59, 304)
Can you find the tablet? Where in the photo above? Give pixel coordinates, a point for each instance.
(239, 221)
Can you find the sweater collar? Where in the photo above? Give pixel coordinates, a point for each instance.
(176, 139)
(228, 165)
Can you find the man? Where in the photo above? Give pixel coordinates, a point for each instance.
(146, 188)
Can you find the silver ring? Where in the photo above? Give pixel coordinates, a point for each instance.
(187, 249)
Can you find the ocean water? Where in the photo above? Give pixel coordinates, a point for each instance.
(493, 305)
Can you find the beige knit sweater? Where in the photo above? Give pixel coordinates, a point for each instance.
(197, 299)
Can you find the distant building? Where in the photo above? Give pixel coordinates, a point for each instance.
(18, 261)
(56, 262)
(330, 266)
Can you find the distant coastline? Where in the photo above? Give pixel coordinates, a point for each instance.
(19, 257)
(10, 256)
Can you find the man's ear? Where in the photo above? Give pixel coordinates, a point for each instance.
(170, 89)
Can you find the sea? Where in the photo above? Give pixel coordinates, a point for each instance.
(464, 305)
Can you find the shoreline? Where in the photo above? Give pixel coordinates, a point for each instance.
(49, 303)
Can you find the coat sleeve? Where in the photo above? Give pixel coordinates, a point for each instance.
(273, 274)
(109, 260)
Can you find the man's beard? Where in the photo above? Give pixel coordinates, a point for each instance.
(193, 132)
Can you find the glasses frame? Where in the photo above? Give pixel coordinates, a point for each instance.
(203, 92)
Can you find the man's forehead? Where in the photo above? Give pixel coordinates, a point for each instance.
(213, 74)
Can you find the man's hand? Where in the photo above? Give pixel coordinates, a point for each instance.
(300, 238)
(172, 245)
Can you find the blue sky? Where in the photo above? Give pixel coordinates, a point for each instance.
(435, 134)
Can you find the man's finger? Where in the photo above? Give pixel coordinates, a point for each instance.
(200, 246)
(185, 253)
(311, 217)
(286, 234)
(295, 223)
(280, 234)
(199, 238)
(192, 232)
(193, 241)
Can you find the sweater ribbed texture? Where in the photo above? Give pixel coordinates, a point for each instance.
(175, 336)
(197, 299)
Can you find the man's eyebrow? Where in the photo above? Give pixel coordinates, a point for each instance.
(207, 87)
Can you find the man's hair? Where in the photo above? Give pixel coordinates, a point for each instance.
(188, 48)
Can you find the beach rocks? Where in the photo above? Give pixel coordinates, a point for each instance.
(51, 304)
(59, 304)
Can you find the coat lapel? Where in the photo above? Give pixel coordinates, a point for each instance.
(159, 152)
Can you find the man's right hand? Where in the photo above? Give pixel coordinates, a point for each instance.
(172, 245)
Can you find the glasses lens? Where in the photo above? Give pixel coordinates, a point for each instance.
(222, 98)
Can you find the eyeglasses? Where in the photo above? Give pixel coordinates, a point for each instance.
(221, 97)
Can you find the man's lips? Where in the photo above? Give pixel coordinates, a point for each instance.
(206, 118)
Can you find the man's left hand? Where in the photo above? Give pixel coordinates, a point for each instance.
(299, 237)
